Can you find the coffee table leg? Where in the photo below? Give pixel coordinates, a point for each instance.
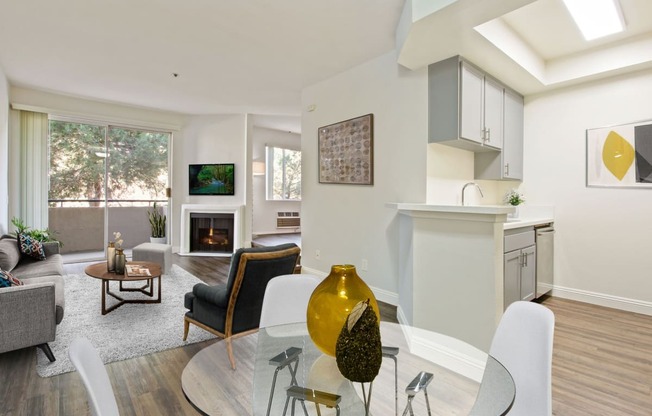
(104, 290)
(151, 287)
(159, 288)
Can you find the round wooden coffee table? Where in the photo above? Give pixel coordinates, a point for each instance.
(100, 271)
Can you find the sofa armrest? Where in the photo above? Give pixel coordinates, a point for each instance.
(51, 247)
(27, 316)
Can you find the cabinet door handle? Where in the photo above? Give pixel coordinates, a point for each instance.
(488, 135)
(506, 169)
(525, 257)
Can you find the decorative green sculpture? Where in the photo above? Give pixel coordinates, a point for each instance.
(358, 350)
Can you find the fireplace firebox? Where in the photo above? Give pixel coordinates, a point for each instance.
(211, 232)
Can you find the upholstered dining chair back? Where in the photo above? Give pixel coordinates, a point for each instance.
(88, 363)
(523, 344)
(286, 299)
(234, 308)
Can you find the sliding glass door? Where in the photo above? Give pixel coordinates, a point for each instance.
(103, 179)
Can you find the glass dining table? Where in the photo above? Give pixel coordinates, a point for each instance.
(284, 356)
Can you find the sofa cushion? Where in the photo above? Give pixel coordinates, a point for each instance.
(29, 267)
(31, 247)
(7, 280)
(9, 253)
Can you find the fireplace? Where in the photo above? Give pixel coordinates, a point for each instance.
(211, 232)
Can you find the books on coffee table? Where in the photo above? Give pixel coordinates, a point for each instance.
(135, 271)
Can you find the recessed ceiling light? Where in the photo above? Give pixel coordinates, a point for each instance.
(596, 18)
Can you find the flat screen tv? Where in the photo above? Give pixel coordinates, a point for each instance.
(211, 179)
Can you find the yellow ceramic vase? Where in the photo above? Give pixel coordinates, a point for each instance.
(331, 303)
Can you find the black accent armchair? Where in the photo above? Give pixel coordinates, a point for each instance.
(233, 309)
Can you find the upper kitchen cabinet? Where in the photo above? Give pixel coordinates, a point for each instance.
(465, 106)
(508, 164)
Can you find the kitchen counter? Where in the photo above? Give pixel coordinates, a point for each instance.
(451, 271)
(526, 222)
(462, 209)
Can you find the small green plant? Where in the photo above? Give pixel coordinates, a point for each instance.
(43, 236)
(157, 222)
(514, 198)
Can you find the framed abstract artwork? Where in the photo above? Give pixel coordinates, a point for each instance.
(346, 151)
(620, 156)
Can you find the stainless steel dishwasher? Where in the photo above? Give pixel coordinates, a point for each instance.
(545, 241)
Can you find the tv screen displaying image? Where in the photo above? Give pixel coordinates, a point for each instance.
(211, 179)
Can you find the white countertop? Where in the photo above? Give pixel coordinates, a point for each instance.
(529, 216)
(526, 222)
(466, 209)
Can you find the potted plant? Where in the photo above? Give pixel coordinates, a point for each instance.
(514, 198)
(44, 236)
(157, 222)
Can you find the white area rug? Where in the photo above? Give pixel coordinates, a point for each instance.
(130, 331)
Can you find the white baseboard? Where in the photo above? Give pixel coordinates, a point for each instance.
(452, 354)
(380, 294)
(308, 270)
(601, 299)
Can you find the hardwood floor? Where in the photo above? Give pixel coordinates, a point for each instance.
(602, 365)
(602, 360)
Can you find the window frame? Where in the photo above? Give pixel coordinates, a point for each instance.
(269, 172)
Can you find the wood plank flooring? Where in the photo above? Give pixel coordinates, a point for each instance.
(602, 365)
(602, 360)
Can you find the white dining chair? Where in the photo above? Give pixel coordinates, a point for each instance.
(286, 302)
(86, 360)
(286, 299)
(523, 344)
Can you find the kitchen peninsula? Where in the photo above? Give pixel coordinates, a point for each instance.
(451, 277)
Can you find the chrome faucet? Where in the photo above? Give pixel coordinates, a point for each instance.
(474, 184)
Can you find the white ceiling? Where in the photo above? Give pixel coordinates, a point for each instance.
(532, 45)
(250, 56)
(256, 56)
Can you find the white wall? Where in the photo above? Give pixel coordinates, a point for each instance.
(348, 223)
(210, 139)
(4, 153)
(449, 169)
(602, 252)
(264, 211)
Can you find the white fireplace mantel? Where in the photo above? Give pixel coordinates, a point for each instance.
(187, 209)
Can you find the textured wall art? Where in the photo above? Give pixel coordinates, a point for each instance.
(346, 153)
(620, 156)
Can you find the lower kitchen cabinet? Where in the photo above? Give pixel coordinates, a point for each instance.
(519, 267)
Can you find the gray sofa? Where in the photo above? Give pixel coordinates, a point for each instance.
(30, 313)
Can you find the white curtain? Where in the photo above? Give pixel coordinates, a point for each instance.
(34, 169)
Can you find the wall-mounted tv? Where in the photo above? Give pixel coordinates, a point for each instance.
(211, 179)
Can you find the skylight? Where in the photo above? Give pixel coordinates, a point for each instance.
(596, 18)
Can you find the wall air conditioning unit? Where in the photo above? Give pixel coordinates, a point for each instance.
(288, 220)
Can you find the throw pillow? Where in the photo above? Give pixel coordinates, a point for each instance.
(9, 253)
(31, 247)
(7, 280)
